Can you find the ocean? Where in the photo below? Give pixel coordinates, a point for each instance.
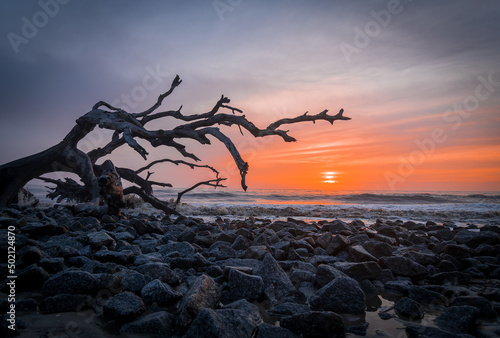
(462, 208)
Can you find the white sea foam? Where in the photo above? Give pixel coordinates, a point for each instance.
(459, 207)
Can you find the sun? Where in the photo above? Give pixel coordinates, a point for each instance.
(329, 177)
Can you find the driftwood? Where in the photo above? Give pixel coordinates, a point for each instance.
(128, 127)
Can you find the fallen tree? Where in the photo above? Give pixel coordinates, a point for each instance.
(127, 127)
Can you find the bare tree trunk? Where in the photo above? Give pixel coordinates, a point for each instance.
(127, 127)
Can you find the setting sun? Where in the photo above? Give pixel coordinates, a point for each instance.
(329, 177)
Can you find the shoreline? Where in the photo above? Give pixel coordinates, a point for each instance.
(435, 268)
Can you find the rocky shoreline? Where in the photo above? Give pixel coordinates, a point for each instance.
(143, 275)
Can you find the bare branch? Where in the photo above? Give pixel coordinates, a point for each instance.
(242, 165)
(177, 81)
(127, 136)
(155, 202)
(302, 118)
(212, 183)
(178, 115)
(177, 162)
(105, 104)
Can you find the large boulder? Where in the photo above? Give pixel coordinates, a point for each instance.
(458, 319)
(315, 324)
(243, 285)
(359, 271)
(342, 295)
(160, 293)
(157, 323)
(159, 271)
(70, 282)
(474, 238)
(272, 331)
(223, 323)
(402, 266)
(277, 284)
(203, 293)
(123, 307)
(407, 307)
(65, 303)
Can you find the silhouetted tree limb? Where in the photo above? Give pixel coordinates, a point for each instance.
(212, 183)
(127, 129)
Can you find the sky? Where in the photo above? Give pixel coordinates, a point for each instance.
(420, 80)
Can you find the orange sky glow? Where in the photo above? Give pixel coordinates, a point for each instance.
(422, 89)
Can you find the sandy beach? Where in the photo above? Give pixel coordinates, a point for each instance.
(146, 275)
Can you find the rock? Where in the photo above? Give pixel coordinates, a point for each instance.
(298, 276)
(447, 277)
(134, 281)
(326, 273)
(159, 271)
(70, 282)
(481, 303)
(368, 288)
(156, 323)
(256, 252)
(423, 258)
(31, 254)
(359, 254)
(160, 293)
(146, 227)
(90, 222)
(65, 303)
(124, 236)
(196, 261)
(359, 271)
(182, 248)
(401, 285)
(222, 250)
(242, 285)
(342, 295)
(378, 249)
(337, 243)
(402, 266)
(337, 226)
(324, 240)
(221, 323)
(387, 230)
(108, 281)
(31, 278)
(420, 331)
(123, 307)
(100, 239)
(38, 229)
(203, 293)
(265, 330)
(52, 265)
(251, 310)
(124, 257)
(27, 304)
(360, 238)
(457, 251)
(385, 239)
(407, 307)
(241, 243)
(275, 278)
(360, 330)
(422, 295)
(288, 309)
(146, 244)
(474, 238)
(458, 319)
(315, 324)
